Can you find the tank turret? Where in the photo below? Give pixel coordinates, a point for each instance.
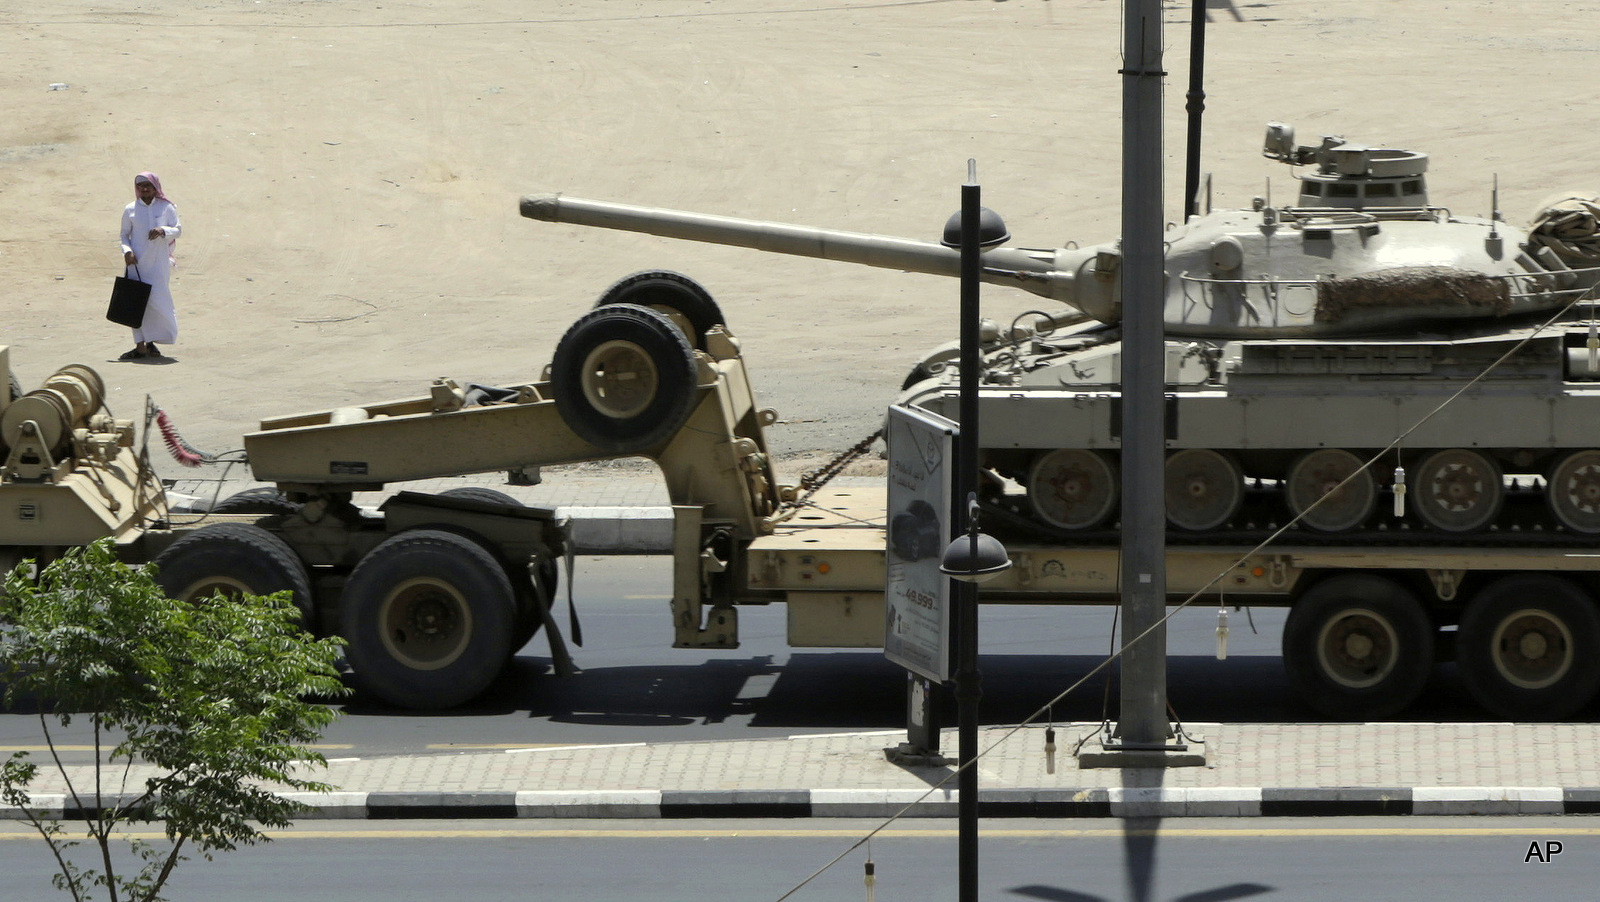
(1362, 252)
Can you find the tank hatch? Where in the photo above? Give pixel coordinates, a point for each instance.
(1350, 176)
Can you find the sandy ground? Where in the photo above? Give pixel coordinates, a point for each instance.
(348, 172)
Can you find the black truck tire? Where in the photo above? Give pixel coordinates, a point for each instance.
(623, 378)
(1528, 647)
(233, 558)
(1358, 645)
(670, 293)
(266, 499)
(428, 616)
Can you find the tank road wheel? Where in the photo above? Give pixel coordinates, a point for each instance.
(1072, 488)
(623, 378)
(1317, 475)
(234, 559)
(1357, 645)
(429, 617)
(1459, 490)
(1575, 491)
(1203, 489)
(1529, 647)
(681, 298)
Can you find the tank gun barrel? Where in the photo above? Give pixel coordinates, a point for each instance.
(1041, 272)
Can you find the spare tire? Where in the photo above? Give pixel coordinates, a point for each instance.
(671, 293)
(623, 378)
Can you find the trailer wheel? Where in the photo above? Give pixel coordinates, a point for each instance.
(429, 617)
(623, 378)
(1358, 645)
(681, 298)
(1529, 647)
(267, 499)
(234, 559)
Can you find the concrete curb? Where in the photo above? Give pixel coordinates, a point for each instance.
(1135, 802)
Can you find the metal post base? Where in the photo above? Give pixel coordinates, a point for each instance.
(1182, 751)
(908, 754)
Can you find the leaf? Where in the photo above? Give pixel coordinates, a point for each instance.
(212, 694)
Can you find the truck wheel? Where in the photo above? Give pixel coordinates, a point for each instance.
(267, 499)
(1358, 645)
(234, 559)
(481, 493)
(623, 378)
(681, 298)
(428, 616)
(1529, 647)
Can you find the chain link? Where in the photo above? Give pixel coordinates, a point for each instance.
(816, 479)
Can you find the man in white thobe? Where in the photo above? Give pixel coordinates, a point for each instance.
(150, 231)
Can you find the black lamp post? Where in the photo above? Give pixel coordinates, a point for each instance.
(972, 556)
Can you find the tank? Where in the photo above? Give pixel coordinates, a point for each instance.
(1359, 346)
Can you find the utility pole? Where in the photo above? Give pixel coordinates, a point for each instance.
(1143, 732)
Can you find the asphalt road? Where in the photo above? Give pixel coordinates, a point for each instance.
(636, 688)
(1193, 860)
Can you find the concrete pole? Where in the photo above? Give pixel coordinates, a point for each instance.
(1144, 589)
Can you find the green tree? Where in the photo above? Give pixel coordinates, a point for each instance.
(211, 696)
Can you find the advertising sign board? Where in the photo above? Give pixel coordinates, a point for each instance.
(916, 595)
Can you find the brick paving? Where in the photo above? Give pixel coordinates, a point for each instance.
(1250, 769)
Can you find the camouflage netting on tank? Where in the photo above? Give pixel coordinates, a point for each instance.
(1411, 286)
(1570, 226)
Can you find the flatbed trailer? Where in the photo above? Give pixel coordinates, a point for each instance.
(434, 593)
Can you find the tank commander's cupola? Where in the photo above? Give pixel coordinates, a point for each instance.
(1351, 176)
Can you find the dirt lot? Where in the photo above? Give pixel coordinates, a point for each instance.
(349, 172)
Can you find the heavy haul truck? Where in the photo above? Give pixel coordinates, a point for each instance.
(1361, 323)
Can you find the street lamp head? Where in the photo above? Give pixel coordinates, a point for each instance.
(992, 231)
(974, 558)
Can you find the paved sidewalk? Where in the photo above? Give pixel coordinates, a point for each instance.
(1251, 770)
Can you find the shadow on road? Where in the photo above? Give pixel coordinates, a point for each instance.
(856, 690)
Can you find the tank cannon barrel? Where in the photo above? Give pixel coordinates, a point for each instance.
(1047, 273)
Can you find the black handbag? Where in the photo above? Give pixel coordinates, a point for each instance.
(128, 300)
